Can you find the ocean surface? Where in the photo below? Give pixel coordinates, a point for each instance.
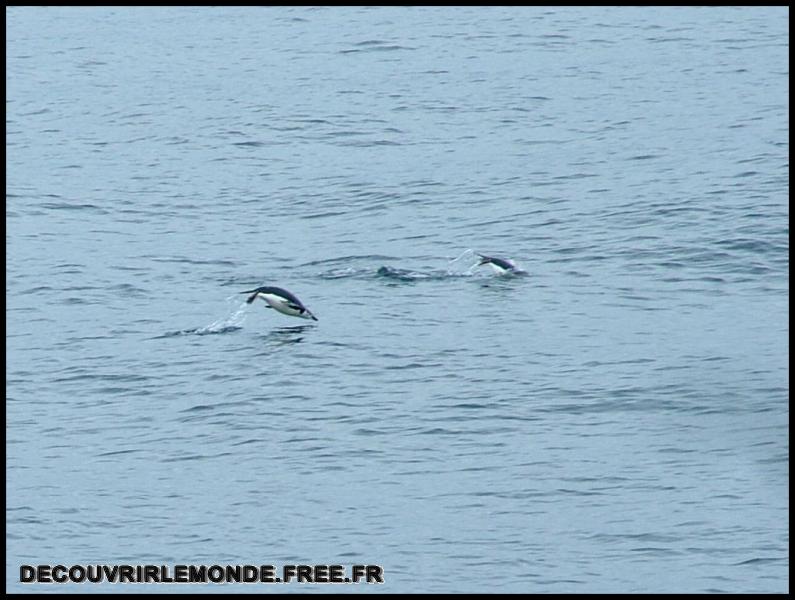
(615, 420)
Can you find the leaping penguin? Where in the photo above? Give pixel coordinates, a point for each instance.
(500, 265)
(282, 300)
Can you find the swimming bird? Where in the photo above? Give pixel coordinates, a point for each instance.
(500, 265)
(393, 273)
(282, 300)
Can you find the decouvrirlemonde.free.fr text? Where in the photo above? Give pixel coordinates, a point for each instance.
(200, 574)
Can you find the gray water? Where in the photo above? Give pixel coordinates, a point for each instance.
(615, 421)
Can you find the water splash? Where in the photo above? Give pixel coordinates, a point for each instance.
(463, 264)
(232, 322)
(343, 273)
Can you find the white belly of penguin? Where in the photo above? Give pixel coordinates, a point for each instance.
(278, 303)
